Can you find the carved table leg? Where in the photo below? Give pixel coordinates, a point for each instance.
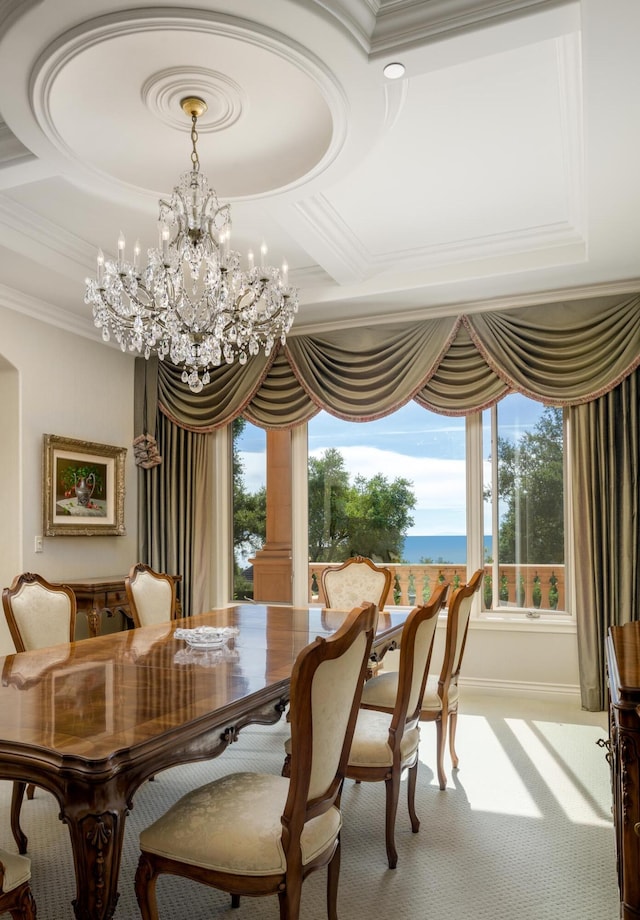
(96, 841)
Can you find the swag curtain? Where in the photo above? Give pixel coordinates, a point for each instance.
(565, 354)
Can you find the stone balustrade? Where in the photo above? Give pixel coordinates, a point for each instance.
(526, 586)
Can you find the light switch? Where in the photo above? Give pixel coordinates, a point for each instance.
(38, 547)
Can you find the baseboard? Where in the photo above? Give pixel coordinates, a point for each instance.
(567, 693)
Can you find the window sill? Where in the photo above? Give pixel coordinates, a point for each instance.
(557, 623)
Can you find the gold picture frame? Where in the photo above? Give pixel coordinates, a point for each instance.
(82, 488)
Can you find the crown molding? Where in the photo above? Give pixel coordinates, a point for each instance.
(47, 313)
(407, 23)
(496, 304)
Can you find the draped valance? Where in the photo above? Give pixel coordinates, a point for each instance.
(563, 353)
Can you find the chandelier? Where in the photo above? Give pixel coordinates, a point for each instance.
(193, 301)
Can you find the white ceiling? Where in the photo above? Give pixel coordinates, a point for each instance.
(502, 168)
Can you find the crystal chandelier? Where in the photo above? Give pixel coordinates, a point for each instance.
(193, 302)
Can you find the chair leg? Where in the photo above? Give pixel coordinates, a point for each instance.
(235, 900)
(31, 791)
(392, 787)
(145, 888)
(441, 738)
(453, 722)
(19, 836)
(19, 902)
(411, 797)
(333, 875)
(289, 899)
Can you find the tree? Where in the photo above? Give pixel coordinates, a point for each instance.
(530, 484)
(328, 496)
(369, 518)
(379, 516)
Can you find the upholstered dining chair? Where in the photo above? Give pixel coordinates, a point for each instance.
(39, 614)
(440, 701)
(16, 897)
(259, 834)
(385, 743)
(356, 581)
(151, 595)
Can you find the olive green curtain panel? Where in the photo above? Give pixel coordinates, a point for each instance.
(173, 521)
(605, 471)
(581, 355)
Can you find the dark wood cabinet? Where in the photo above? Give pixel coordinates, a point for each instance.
(623, 663)
(105, 596)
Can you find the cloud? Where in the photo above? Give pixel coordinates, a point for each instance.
(438, 484)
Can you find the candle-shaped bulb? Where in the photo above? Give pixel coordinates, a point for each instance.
(263, 253)
(250, 259)
(164, 235)
(136, 254)
(285, 273)
(100, 266)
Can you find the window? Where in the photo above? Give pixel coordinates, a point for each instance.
(393, 490)
(523, 452)
(249, 502)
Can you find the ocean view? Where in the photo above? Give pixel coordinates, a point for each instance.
(449, 548)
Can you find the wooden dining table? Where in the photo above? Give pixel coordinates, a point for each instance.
(91, 720)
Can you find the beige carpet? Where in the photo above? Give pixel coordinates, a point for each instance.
(523, 831)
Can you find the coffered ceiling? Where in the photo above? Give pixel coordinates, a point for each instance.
(501, 168)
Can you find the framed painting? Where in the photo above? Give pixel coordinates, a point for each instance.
(83, 488)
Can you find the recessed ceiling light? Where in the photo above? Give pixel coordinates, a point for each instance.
(394, 71)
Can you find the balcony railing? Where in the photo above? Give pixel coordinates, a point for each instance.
(537, 587)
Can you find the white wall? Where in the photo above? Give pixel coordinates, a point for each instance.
(54, 382)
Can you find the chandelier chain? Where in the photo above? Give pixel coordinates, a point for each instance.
(195, 160)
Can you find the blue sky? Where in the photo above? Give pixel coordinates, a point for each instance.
(425, 448)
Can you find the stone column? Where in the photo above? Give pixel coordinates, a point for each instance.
(272, 567)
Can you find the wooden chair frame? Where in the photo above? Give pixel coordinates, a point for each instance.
(403, 719)
(8, 594)
(19, 901)
(129, 585)
(328, 573)
(28, 578)
(299, 807)
(446, 713)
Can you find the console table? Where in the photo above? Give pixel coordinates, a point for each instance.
(104, 595)
(623, 664)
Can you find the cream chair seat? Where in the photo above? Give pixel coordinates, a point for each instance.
(255, 834)
(440, 701)
(16, 897)
(151, 595)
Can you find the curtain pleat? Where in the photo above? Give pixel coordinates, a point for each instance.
(231, 388)
(281, 401)
(463, 381)
(563, 353)
(366, 373)
(605, 470)
(172, 512)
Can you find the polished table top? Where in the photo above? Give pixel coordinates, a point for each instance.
(92, 720)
